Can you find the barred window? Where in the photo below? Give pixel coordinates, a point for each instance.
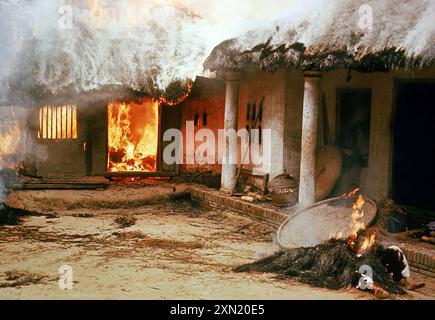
(58, 122)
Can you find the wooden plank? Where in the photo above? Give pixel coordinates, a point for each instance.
(140, 174)
(53, 186)
(87, 183)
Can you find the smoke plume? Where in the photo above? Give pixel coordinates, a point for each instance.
(51, 45)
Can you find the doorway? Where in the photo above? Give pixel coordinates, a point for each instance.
(414, 145)
(353, 135)
(133, 134)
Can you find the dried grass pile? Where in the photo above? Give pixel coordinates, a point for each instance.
(331, 265)
(18, 279)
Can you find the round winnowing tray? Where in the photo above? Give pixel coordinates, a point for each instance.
(316, 224)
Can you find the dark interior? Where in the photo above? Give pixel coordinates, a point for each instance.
(414, 145)
(353, 135)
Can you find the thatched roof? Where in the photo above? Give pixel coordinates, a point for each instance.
(52, 51)
(327, 35)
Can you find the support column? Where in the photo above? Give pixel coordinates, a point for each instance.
(310, 124)
(229, 171)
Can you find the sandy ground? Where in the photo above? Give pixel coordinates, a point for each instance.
(174, 251)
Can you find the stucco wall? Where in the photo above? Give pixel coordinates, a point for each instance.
(208, 97)
(293, 123)
(283, 106)
(271, 86)
(377, 179)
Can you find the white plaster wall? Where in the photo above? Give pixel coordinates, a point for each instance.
(293, 122)
(376, 181)
(283, 114)
(255, 86)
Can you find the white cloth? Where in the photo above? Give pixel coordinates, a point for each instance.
(406, 273)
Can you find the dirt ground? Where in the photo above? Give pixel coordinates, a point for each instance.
(173, 251)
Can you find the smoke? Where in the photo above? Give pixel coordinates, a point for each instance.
(51, 45)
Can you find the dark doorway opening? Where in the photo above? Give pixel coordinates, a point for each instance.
(353, 135)
(414, 145)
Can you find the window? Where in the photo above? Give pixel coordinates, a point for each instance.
(254, 119)
(196, 119)
(58, 122)
(254, 112)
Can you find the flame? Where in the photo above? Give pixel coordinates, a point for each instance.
(133, 137)
(10, 140)
(356, 225)
(366, 245)
(172, 103)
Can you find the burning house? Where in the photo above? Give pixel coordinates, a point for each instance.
(92, 109)
(120, 137)
(336, 97)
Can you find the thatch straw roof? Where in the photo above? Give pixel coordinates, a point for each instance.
(327, 35)
(52, 49)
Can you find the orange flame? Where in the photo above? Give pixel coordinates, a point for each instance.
(356, 225)
(10, 140)
(133, 137)
(366, 245)
(172, 103)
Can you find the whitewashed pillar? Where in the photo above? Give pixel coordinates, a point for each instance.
(310, 124)
(229, 171)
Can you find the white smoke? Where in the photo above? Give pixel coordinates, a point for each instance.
(88, 44)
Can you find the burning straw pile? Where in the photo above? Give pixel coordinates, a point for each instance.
(335, 264)
(332, 265)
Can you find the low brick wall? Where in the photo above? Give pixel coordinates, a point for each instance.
(212, 199)
(422, 262)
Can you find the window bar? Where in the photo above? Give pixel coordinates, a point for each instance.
(68, 122)
(59, 122)
(40, 124)
(260, 133)
(44, 123)
(50, 122)
(64, 122)
(74, 121)
(53, 122)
